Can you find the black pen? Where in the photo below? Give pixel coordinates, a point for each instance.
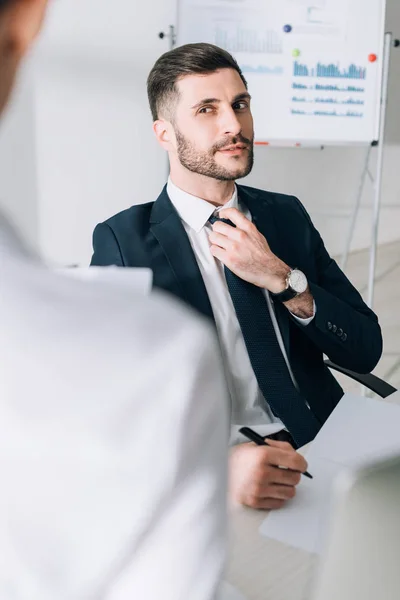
(260, 441)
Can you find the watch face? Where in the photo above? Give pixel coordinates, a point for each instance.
(298, 281)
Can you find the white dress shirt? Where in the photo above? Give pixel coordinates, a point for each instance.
(248, 406)
(113, 441)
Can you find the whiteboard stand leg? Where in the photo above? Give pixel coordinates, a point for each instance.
(356, 208)
(379, 172)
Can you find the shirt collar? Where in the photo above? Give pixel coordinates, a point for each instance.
(194, 211)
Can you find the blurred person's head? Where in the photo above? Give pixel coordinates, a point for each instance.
(201, 111)
(20, 22)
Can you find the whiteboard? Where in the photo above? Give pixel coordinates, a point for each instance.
(308, 63)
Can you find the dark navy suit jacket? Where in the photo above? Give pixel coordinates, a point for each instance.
(344, 328)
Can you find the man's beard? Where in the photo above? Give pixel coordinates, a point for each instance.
(204, 163)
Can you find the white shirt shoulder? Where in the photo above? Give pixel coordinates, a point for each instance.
(113, 441)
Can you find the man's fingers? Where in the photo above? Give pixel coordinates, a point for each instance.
(285, 476)
(217, 239)
(288, 459)
(273, 490)
(265, 503)
(234, 215)
(219, 253)
(232, 233)
(283, 455)
(270, 475)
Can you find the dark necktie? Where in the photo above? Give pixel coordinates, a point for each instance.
(267, 359)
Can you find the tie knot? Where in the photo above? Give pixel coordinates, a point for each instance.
(214, 218)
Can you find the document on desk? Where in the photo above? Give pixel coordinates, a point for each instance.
(359, 428)
(228, 592)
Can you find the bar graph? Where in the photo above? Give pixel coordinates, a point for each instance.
(239, 39)
(329, 70)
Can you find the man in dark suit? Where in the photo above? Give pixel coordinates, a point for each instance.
(250, 260)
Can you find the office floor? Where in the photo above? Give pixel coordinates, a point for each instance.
(386, 305)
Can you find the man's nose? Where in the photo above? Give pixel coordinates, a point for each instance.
(230, 124)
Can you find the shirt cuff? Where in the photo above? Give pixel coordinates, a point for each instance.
(305, 322)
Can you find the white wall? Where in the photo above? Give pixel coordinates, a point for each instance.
(93, 114)
(94, 152)
(327, 183)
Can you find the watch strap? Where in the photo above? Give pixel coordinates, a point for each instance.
(285, 296)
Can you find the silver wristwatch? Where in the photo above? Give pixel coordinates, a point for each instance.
(296, 283)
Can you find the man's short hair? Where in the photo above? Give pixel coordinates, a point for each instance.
(191, 59)
(4, 2)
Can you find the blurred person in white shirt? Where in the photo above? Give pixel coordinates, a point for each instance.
(113, 425)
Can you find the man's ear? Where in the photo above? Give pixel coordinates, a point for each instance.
(163, 132)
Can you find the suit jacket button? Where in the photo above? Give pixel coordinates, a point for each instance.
(334, 328)
(329, 325)
(339, 332)
(344, 337)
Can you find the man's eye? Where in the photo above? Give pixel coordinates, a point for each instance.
(240, 105)
(205, 109)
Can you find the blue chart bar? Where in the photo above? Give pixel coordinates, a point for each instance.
(302, 70)
(262, 70)
(333, 71)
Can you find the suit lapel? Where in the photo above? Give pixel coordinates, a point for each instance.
(174, 263)
(263, 218)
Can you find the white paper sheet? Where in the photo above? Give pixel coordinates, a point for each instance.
(298, 523)
(359, 428)
(228, 592)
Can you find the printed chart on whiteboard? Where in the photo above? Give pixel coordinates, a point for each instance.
(313, 67)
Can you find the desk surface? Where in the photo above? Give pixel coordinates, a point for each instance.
(262, 568)
(265, 569)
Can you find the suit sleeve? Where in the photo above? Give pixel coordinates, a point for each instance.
(344, 328)
(106, 250)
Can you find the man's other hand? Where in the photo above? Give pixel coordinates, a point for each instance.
(257, 478)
